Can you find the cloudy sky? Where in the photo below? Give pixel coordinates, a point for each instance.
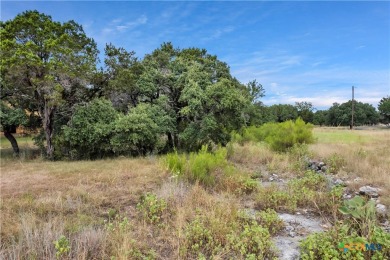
(299, 51)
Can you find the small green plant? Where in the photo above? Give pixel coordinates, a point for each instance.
(269, 219)
(151, 208)
(253, 242)
(118, 223)
(62, 246)
(198, 239)
(329, 245)
(247, 185)
(335, 163)
(299, 192)
(176, 163)
(200, 166)
(362, 214)
(111, 213)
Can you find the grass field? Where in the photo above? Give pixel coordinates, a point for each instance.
(106, 209)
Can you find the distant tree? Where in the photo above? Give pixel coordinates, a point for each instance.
(342, 114)
(284, 112)
(305, 111)
(384, 110)
(42, 59)
(320, 117)
(10, 119)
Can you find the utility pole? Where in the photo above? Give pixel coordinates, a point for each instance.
(353, 105)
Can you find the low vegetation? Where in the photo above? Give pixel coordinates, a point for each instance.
(205, 204)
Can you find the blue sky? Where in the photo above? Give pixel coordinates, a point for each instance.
(299, 51)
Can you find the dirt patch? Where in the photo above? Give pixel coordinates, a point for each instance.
(298, 226)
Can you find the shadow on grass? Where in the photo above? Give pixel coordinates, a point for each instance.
(27, 153)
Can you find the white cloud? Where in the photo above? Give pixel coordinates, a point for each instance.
(290, 78)
(117, 25)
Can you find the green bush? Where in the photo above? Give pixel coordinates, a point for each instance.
(97, 130)
(199, 166)
(269, 218)
(253, 242)
(280, 136)
(330, 244)
(199, 240)
(135, 133)
(88, 133)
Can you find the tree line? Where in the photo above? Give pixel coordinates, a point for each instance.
(171, 99)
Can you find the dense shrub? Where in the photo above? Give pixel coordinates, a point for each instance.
(137, 133)
(88, 133)
(280, 136)
(97, 130)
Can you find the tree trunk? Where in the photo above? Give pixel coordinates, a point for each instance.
(12, 140)
(49, 130)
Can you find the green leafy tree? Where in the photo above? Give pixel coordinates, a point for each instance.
(320, 117)
(204, 101)
(384, 110)
(10, 118)
(305, 111)
(42, 59)
(341, 115)
(284, 112)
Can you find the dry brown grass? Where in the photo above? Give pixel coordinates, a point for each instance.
(69, 197)
(366, 154)
(94, 203)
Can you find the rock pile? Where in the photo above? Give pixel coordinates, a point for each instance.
(316, 166)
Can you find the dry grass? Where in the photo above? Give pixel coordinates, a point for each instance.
(70, 195)
(366, 154)
(94, 203)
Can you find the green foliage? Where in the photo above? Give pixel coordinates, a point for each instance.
(247, 185)
(201, 166)
(62, 246)
(280, 136)
(335, 163)
(136, 132)
(283, 112)
(299, 192)
(320, 117)
(41, 62)
(176, 163)
(88, 132)
(152, 208)
(97, 130)
(305, 111)
(11, 117)
(269, 219)
(341, 114)
(253, 242)
(384, 110)
(362, 214)
(118, 224)
(330, 244)
(199, 240)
